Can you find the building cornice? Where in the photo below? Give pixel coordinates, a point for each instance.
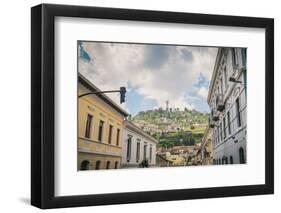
(90, 86)
(98, 153)
(215, 72)
(98, 142)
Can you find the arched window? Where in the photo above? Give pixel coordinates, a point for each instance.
(85, 165)
(116, 165)
(241, 155)
(97, 165)
(108, 165)
(231, 160)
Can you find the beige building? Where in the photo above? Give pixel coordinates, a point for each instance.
(177, 160)
(207, 147)
(161, 161)
(100, 129)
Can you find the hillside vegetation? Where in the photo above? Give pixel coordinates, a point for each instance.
(173, 127)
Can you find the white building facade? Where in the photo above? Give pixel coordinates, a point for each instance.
(139, 148)
(227, 99)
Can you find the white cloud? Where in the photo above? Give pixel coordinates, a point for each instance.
(203, 92)
(157, 72)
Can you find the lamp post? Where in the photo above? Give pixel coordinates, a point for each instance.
(122, 92)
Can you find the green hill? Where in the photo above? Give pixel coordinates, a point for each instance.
(173, 127)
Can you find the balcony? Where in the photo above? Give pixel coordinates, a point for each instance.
(214, 116)
(220, 103)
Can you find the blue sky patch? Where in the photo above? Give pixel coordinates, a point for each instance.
(202, 81)
(83, 54)
(136, 102)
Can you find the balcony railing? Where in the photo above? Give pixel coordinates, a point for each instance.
(220, 103)
(214, 116)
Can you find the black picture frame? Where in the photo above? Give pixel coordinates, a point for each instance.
(43, 105)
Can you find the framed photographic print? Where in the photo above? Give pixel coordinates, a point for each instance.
(136, 106)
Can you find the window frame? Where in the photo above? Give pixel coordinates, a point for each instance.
(89, 123)
(100, 131)
(110, 132)
(238, 113)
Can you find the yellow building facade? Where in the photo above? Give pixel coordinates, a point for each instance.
(100, 129)
(177, 160)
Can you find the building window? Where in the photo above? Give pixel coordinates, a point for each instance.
(244, 56)
(88, 126)
(219, 161)
(150, 153)
(116, 165)
(224, 128)
(221, 132)
(221, 85)
(245, 80)
(97, 165)
(85, 165)
(241, 155)
(129, 146)
(100, 131)
(244, 63)
(144, 151)
(226, 160)
(138, 152)
(108, 165)
(110, 134)
(234, 57)
(216, 135)
(229, 122)
(238, 115)
(225, 77)
(231, 160)
(117, 137)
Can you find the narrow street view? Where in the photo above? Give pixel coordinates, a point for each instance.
(152, 105)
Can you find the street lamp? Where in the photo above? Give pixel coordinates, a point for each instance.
(122, 92)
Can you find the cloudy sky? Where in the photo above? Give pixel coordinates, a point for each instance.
(152, 74)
